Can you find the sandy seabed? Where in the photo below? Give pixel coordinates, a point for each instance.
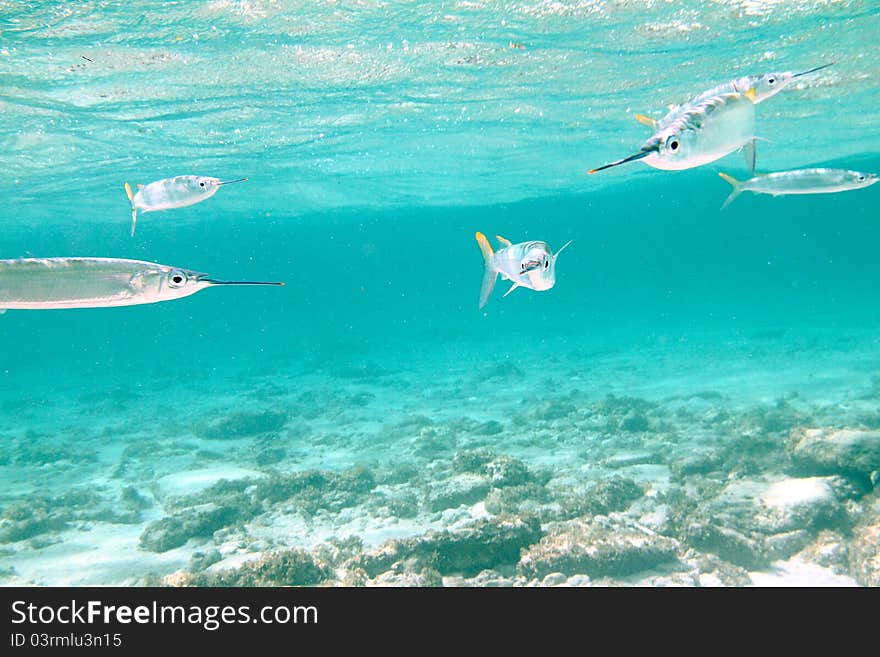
(679, 462)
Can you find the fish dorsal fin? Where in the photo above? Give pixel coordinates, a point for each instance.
(556, 255)
(512, 288)
(504, 242)
(647, 120)
(140, 185)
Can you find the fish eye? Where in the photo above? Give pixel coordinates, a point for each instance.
(546, 264)
(202, 184)
(861, 179)
(673, 145)
(771, 80)
(177, 278)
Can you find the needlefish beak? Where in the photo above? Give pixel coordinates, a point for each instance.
(229, 182)
(645, 152)
(813, 70)
(214, 281)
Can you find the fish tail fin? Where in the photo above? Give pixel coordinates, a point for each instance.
(737, 188)
(489, 273)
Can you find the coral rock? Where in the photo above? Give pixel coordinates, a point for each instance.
(460, 489)
(198, 522)
(468, 550)
(827, 451)
(596, 547)
(864, 554)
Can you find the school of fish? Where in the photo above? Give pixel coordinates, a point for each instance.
(706, 128)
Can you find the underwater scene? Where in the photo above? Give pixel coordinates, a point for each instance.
(656, 391)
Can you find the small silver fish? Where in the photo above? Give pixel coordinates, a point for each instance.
(800, 181)
(527, 264)
(47, 283)
(703, 133)
(756, 88)
(170, 193)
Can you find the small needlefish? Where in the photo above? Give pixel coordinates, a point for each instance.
(800, 181)
(756, 88)
(47, 283)
(703, 133)
(527, 264)
(170, 193)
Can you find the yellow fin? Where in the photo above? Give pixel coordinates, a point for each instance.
(750, 94)
(485, 247)
(733, 181)
(504, 242)
(140, 186)
(646, 120)
(737, 189)
(128, 191)
(489, 273)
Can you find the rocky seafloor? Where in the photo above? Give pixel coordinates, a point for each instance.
(368, 478)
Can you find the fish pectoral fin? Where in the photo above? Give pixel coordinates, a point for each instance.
(750, 94)
(140, 186)
(512, 288)
(504, 242)
(129, 192)
(647, 120)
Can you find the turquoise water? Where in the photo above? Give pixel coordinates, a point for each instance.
(377, 138)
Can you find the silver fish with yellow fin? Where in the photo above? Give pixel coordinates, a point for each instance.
(170, 193)
(49, 283)
(756, 88)
(527, 264)
(703, 133)
(800, 181)
(710, 125)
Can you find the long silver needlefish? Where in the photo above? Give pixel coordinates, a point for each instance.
(757, 88)
(170, 193)
(47, 283)
(703, 133)
(800, 181)
(527, 264)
